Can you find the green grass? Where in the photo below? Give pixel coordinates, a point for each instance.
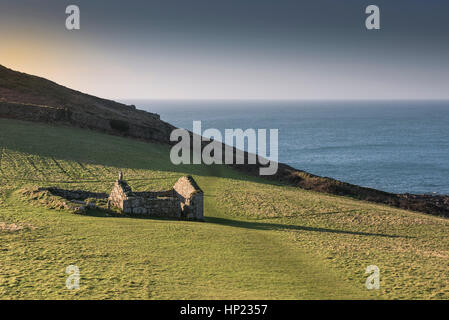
(261, 240)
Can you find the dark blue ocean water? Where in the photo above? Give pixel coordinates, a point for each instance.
(393, 146)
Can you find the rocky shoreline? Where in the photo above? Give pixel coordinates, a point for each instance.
(431, 204)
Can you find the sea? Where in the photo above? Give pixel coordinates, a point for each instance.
(395, 146)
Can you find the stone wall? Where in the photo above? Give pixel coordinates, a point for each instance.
(155, 207)
(136, 124)
(74, 194)
(191, 197)
(185, 200)
(120, 193)
(155, 194)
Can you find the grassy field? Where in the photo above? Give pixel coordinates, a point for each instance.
(260, 240)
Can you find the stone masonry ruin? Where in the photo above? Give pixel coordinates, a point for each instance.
(183, 201)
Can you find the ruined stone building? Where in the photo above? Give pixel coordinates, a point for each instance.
(183, 201)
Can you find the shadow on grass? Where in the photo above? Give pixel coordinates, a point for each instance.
(243, 224)
(94, 148)
(277, 226)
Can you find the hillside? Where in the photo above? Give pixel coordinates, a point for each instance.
(28, 97)
(261, 240)
(31, 98)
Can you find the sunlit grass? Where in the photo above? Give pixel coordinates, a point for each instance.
(260, 240)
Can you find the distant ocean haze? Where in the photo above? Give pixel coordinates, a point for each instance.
(398, 146)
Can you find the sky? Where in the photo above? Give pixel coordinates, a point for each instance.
(233, 49)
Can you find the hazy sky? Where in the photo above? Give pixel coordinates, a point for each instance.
(233, 49)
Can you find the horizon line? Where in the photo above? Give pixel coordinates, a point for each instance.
(284, 99)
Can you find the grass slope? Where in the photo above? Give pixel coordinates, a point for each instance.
(260, 240)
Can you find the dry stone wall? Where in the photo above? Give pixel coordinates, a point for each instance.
(184, 201)
(74, 194)
(156, 207)
(120, 193)
(191, 197)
